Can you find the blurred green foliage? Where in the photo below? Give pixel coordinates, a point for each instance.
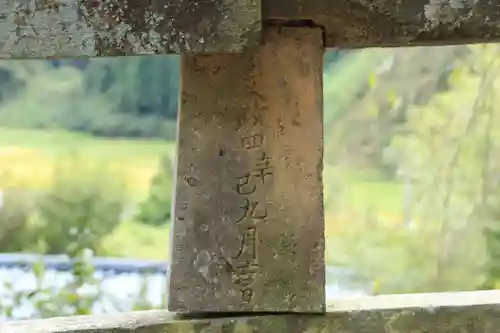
(84, 204)
(437, 138)
(156, 209)
(110, 97)
(80, 211)
(15, 232)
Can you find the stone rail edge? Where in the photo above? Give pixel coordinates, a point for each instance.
(88, 28)
(368, 23)
(471, 312)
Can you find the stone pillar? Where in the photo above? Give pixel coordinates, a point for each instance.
(248, 231)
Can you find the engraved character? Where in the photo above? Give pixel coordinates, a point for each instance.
(250, 210)
(252, 142)
(248, 266)
(262, 167)
(243, 187)
(256, 120)
(243, 280)
(247, 294)
(248, 242)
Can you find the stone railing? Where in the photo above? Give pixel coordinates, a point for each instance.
(471, 312)
(248, 228)
(76, 28)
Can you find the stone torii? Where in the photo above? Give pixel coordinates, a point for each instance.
(248, 231)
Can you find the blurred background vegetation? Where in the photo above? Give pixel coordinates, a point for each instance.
(411, 172)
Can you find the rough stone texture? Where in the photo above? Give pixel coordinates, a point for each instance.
(365, 23)
(76, 28)
(248, 223)
(467, 312)
(79, 28)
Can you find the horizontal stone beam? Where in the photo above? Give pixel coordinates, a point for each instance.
(368, 23)
(83, 28)
(471, 312)
(86, 28)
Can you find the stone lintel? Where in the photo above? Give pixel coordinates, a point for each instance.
(87, 28)
(471, 312)
(369, 23)
(248, 229)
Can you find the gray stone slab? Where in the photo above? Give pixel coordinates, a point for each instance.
(86, 28)
(248, 231)
(369, 23)
(470, 312)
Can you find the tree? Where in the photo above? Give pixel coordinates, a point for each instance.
(451, 151)
(78, 212)
(111, 97)
(156, 209)
(367, 96)
(447, 146)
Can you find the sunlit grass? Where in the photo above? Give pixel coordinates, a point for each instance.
(139, 241)
(28, 158)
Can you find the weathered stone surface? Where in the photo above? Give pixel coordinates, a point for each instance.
(76, 28)
(248, 223)
(470, 312)
(365, 23)
(79, 28)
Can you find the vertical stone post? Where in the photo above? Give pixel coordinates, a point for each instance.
(248, 231)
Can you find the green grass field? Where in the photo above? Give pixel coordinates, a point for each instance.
(28, 157)
(368, 190)
(55, 143)
(28, 154)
